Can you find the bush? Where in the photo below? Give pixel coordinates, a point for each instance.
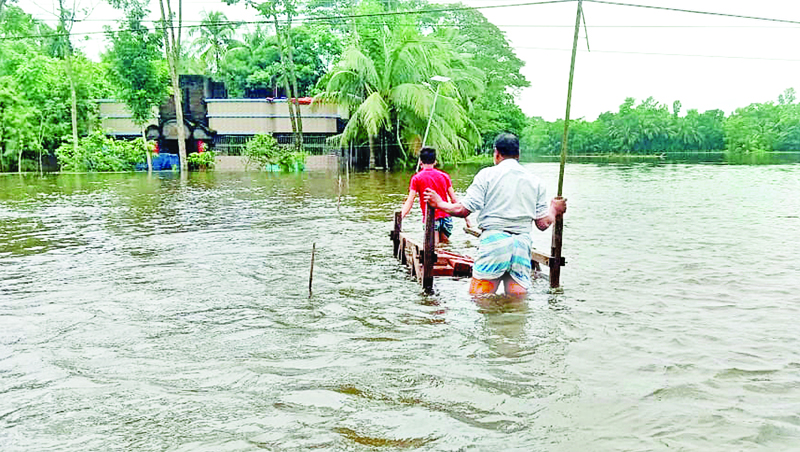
(264, 150)
(201, 160)
(260, 151)
(291, 160)
(98, 152)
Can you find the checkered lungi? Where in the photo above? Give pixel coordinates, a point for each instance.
(501, 252)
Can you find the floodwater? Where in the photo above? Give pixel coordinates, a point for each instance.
(154, 314)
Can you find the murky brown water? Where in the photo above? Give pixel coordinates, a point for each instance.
(155, 314)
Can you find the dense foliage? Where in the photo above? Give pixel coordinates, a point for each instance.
(651, 128)
(382, 72)
(35, 92)
(135, 65)
(202, 160)
(97, 152)
(263, 151)
(253, 66)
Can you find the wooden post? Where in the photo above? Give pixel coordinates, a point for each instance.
(429, 256)
(311, 274)
(558, 230)
(555, 253)
(398, 227)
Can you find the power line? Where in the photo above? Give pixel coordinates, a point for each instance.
(324, 18)
(691, 11)
(237, 22)
(734, 57)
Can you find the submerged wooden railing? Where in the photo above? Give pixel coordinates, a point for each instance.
(425, 261)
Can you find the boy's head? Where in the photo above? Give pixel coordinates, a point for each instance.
(507, 145)
(427, 155)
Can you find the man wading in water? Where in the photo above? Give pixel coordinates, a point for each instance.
(509, 199)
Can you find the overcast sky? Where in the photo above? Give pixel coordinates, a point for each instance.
(704, 61)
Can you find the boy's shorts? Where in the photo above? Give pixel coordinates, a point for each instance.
(444, 225)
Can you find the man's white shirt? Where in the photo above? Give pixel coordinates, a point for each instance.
(507, 197)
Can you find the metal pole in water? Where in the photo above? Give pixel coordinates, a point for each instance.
(555, 261)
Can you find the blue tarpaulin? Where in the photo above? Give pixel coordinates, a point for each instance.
(162, 162)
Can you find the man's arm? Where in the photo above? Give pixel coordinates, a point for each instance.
(557, 207)
(412, 194)
(452, 194)
(454, 209)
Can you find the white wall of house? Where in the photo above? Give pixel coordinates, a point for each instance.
(262, 116)
(115, 118)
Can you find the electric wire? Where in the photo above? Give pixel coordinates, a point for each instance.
(691, 11)
(625, 52)
(319, 18)
(333, 18)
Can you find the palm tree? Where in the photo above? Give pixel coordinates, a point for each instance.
(384, 87)
(216, 36)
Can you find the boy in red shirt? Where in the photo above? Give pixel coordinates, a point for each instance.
(438, 181)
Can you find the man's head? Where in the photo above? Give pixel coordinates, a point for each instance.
(506, 146)
(427, 155)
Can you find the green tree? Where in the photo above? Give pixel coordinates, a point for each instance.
(495, 110)
(15, 119)
(64, 49)
(282, 12)
(136, 68)
(255, 64)
(215, 36)
(29, 59)
(381, 80)
(172, 50)
(753, 129)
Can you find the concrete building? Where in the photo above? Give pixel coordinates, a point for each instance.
(224, 125)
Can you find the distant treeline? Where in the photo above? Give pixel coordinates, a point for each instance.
(651, 128)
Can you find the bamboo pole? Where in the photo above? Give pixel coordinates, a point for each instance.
(558, 230)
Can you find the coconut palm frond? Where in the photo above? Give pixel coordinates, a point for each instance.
(355, 61)
(350, 132)
(414, 98)
(347, 88)
(381, 80)
(374, 114)
(336, 141)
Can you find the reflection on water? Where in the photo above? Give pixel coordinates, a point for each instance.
(159, 313)
(504, 319)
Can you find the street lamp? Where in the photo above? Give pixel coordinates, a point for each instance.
(436, 78)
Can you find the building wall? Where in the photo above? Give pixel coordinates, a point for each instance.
(116, 119)
(261, 116)
(194, 92)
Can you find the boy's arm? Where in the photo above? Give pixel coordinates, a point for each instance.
(412, 194)
(453, 199)
(452, 194)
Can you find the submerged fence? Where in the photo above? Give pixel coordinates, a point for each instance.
(387, 155)
(235, 144)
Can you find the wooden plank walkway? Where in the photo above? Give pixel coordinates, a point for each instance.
(425, 262)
